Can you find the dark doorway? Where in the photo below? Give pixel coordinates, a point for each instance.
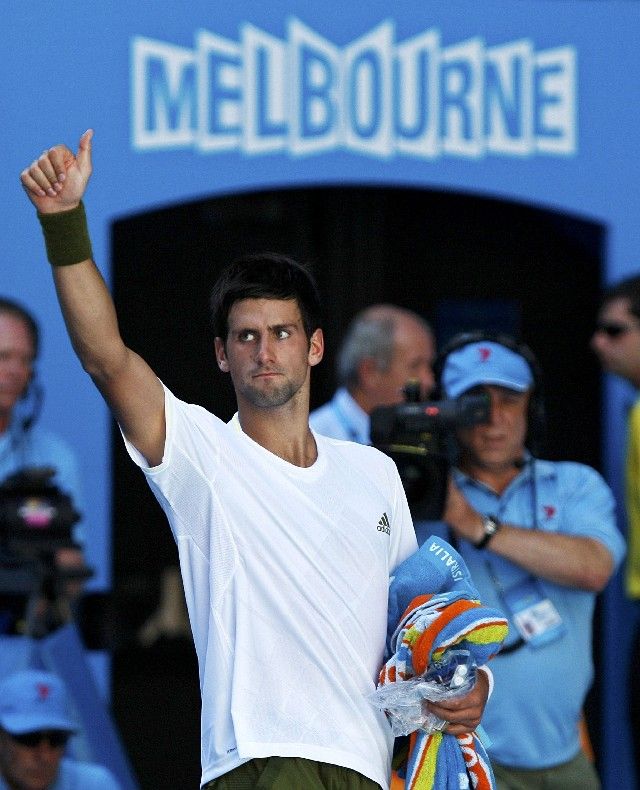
(462, 261)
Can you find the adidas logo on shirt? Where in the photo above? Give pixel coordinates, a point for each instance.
(383, 524)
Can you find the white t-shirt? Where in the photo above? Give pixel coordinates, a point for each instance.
(285, 572)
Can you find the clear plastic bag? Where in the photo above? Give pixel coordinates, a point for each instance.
(453, 676)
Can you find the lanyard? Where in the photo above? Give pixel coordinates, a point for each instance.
(495, 580)
(505, 649)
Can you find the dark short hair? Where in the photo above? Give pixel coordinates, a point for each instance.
(628, 288)
(15, 309)
(265, 276)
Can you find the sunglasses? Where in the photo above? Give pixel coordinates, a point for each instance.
(55, 738)
(613, 329)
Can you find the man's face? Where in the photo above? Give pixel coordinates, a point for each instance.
(413, 356)
(498, 444)
(28, 767)
(268, 353)
(16, 362)
(618, 349)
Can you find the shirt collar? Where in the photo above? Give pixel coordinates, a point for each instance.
(13, 429)
(541, 469)
(351, 416)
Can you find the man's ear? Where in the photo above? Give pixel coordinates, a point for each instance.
(316, 347)
(221, 355)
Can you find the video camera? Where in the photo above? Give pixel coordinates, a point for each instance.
(36, 519)
(35, 515)
(420, 437)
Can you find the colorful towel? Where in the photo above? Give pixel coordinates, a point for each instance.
(444, 762)
(429, 625)
(435, 568)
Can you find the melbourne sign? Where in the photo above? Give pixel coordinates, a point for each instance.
(375, 96)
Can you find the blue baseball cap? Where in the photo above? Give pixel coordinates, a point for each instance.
(485, 362)
(32, 700)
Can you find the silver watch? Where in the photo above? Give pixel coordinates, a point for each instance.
(490, 525)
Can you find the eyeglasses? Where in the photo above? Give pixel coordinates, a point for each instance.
(55, 738)
(613, 329)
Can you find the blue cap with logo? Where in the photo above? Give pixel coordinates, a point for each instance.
(32, 700)
(485, 362)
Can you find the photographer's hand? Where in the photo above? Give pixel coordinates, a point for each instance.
(460, 516)
(570, 560)
(71, 561)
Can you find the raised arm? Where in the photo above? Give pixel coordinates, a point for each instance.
(55, 183)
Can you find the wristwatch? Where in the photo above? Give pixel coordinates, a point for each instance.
(490, 525)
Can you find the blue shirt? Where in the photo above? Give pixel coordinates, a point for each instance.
(341, 418)
(39, 447)
(79, 776)
(531, 718)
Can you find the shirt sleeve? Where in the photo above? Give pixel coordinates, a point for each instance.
(136, 456)
(589, 509)
(404, 541)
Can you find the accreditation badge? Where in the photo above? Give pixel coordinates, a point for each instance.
(533, 613)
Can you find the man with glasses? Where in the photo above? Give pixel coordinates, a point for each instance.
(35, 726)
(616, 341)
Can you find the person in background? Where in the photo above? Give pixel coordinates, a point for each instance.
(25, 445)
(384, 348)
(35, 726)
(616, 342)
(540, 541)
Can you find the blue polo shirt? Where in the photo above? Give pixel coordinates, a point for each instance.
(531, 718)
(341, 418)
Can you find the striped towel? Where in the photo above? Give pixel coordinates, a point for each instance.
(430, 625)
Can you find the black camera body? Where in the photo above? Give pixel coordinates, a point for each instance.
(420, 437)
(35, 515)
(40, 584)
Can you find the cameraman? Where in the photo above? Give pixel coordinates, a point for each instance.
(385, 346)
(540, 541)
(24, 444)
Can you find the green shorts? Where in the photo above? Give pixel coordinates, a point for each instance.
(577, 774)
(290, 773)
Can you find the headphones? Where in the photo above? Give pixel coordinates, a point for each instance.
(32, 395)
(536, 417)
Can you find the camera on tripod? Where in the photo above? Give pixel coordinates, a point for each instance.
(420, 437)
(36, 520)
